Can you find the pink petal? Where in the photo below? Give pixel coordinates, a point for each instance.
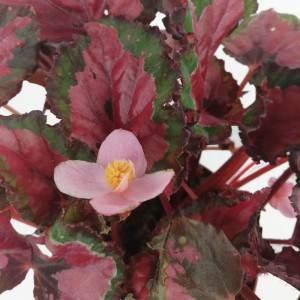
(80, 179)
(123, 145)
(148, 186)
(281, 199)
(112, 204)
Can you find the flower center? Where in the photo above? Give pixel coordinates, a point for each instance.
(117, 170)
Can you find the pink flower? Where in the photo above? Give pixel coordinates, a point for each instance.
(281, 201)
(117, 182)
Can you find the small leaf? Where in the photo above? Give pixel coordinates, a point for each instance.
(218, 19)
(130, 9)
(286, 266)
(250, 8)
(196, 262)
(234, 219)
(18, 48)
(142, 270)
(271, 125)
(15, 255)
(221, 106)
(267, 37)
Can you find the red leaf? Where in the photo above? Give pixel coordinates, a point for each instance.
(17, 50)
(151, 137)
(95, 283)
(79, 263)
(234, 219)
(78, 269)
(15, 255)
(111, 73)
(130, 9)
(273, 124)
(215, 23)
(286, 266)
(267, 37)
(61, 19)
(220, 105)
(142, 269)
(26, 165)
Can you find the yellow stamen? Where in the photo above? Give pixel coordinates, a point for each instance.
(117, 170)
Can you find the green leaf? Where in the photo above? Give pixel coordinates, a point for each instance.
(188, 63)
(196, 262)
(250, 8)
(199, 6)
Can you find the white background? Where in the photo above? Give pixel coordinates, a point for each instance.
(274, 225)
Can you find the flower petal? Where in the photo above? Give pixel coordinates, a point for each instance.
(281, 201)
(148, 186)
(80, 179)
(123, 145)
(112, 204)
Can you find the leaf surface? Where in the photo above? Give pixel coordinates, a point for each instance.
(215, 23)
(27, 165)
(271, 125)
(59, 20)
(195, 262)
(80, 268)
(267, 37)
(15, 255)
(18, 49)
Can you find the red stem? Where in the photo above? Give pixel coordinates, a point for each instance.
(241, 173)
(280, 242)
(219, 178)
(259, 173)
(246, 79)
(189, 191)
(166, 204)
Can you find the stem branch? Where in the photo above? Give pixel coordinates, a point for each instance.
(280, 242)
(246, 79)
(219, 178)
(189, 191)
(166, 204)
(11, 109)
(278, 183)
(258, 173)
